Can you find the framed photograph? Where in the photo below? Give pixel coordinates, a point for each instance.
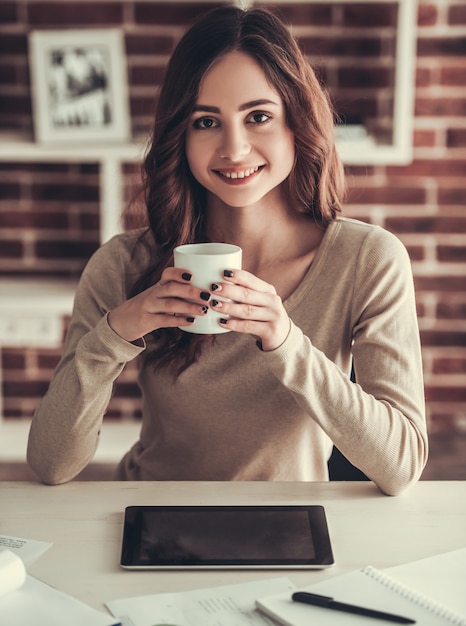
(79, 87)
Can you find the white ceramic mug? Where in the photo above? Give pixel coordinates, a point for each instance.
(206, 262)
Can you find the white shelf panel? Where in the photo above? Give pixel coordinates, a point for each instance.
(115, 440)
(20, 148)
(32, 311)
(364, 153)
(40, 296)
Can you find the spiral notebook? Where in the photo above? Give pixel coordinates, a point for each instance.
(367, 587)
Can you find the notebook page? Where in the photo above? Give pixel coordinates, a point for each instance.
(441, 577)
(368, 588)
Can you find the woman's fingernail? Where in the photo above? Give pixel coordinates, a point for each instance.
(190, 319)
(205, 309)
(186, 276)
(228, 273)
(223, 320)
(214, 287)
(215, 302)
(205, 295)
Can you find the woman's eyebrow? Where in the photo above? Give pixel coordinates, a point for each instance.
(205, 108)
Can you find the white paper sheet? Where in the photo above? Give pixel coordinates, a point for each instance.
(230, 605)
(27, 549)
(29, 601)
(15, 554)
(38, 604)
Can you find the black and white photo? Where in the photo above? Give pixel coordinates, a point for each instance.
(79, 86)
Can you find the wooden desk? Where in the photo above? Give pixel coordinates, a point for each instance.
(84, 522)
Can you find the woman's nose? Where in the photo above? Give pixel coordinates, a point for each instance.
(235, 144)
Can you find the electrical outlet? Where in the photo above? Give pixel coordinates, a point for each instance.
(37, 331)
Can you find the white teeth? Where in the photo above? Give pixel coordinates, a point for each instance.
(241, 174)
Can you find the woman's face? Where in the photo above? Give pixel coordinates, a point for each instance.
(238, 144)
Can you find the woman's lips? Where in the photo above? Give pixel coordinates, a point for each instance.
(239, 176)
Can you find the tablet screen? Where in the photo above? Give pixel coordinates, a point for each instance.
(225, 537)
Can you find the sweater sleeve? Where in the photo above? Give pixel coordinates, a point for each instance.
(65, 428)
(379, 422)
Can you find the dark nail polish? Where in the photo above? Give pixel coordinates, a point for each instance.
(205, 309)
(205, 295)
(214, 287)
(186, 276)
(228, 273)
(223, 320)
(214, 302)
(190, 319)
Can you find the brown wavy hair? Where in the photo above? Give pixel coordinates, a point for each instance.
(175, 201)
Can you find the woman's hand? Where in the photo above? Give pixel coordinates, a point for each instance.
(256, 308)
(171, 302)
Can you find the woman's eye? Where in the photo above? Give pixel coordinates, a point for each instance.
(204, 123)
(259, 118)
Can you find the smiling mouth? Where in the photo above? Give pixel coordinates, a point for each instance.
(239, 174)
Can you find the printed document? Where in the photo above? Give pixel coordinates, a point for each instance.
(229, 605)
(27, 549)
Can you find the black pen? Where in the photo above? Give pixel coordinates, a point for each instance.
(329, 603)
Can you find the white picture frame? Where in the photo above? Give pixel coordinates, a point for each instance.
(79, 90)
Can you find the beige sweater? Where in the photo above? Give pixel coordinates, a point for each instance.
(244, 414)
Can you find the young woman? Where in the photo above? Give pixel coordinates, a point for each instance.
(243, 152)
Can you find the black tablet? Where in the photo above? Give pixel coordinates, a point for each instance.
(225, 537)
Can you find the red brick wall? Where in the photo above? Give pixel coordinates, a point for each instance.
(49, 212)
(424, 204)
